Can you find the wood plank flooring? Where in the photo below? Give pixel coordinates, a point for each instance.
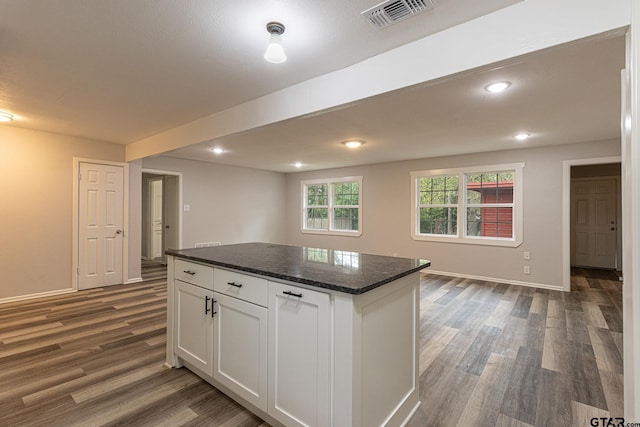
(491, 355)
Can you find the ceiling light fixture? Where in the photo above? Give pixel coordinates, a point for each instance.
(497, 87)
(298, 165)
(353, 143)
(5, 117)
(275, 51)
(522, 136)
(217, 150)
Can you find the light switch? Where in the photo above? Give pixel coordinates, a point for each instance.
(526, 255)
(187, 208)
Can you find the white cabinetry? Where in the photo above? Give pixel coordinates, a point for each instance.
(194, 325)
(299, 356)
(240, 343)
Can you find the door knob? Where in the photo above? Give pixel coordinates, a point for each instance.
(118, 231)
(166, 226)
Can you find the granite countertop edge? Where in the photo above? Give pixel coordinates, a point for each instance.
(301, 280)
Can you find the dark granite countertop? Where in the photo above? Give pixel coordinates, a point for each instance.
(344, 271)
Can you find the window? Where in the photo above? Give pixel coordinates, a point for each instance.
(479, 205)
(438, 205)
(332, 206)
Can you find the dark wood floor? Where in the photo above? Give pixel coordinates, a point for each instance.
(491, 354)
(153, 270)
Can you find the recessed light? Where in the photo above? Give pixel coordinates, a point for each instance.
(217, 150)
(522, 136)
(497, 87)
(353, 143)
(5, 117)
(297, 164)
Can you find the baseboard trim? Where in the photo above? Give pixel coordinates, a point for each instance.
(135, 280)
(495, 279)
(38, 295)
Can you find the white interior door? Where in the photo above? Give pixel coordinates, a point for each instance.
(100, 220)
(155, 211)
(594, 223)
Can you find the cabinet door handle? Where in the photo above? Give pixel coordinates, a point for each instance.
(234, 284)
(206, 305)
(292, 294)
(192, 273)
(213, 313)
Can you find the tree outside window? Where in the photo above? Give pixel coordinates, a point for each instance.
(479, 205)
(332, 206)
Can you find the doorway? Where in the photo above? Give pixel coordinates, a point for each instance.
(592, 216)
(161, 219)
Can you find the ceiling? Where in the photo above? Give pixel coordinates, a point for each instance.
(120, 71)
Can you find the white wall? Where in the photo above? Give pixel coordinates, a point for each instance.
(133, 233)
(36, 183)
(227, 204)
(387, 212)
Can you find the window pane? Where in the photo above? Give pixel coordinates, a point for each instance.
(505, 195)
(490, 222)
(490, 187)
(317, 195)
(439, 221)
(346, 193)
(441, 190)
(317, 218)
(345, 219)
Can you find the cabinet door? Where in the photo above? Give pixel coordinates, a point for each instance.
(194, 325)
(299, 358)
(240, 337)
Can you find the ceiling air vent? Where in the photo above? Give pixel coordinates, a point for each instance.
(392, 11)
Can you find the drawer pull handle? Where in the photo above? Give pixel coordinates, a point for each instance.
(206, 305)
(192, 273)
(234, 284)
(293, 294)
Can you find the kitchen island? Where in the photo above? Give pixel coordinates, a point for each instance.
(298, 335)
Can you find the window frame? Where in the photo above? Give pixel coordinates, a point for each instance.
(463, 205)
(331, 207)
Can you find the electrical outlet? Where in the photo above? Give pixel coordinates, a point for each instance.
(526, 255)
(526, 269)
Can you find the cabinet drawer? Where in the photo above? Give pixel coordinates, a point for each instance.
(196, 274)
(248, 288)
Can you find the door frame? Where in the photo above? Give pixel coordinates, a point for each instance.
(75, 232)
(180, 210)
(150, 205)
(566, 211)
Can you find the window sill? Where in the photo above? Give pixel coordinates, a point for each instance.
(333, 232)
(509, 243)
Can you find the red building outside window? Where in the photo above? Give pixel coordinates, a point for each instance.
(487, 195)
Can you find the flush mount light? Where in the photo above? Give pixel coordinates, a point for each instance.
(497, 87)
(353, 143)
(522, 136)
(275, 51)
(298, 165)
(217, 150)
(5, 117)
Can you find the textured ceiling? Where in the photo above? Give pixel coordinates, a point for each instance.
(562, 95)
(122, 70)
